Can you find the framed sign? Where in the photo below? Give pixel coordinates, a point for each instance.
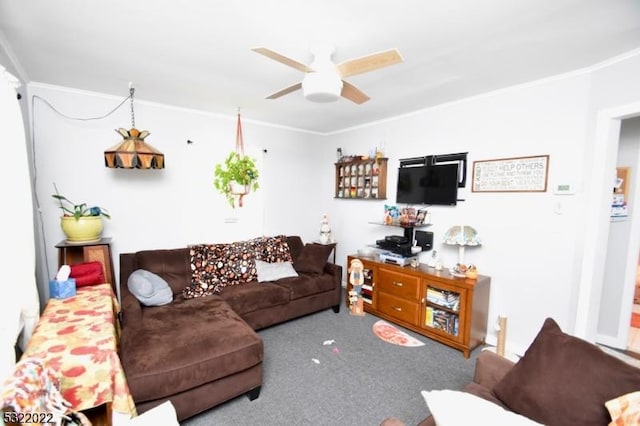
(518, 174)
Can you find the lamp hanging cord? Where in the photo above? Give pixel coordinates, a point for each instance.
(34, 151)
(133, 117)
(79, 118)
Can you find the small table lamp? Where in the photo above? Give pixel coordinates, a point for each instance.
(461, 236)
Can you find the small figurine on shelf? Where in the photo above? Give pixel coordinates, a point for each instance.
(356, 279)
(433, 260)
(325, 230)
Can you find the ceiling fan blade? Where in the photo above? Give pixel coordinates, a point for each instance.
(352, 93)
(282, 59)
(285, 91)
(369, 63)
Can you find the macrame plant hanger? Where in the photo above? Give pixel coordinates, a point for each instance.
(240, 151)
(239, 141)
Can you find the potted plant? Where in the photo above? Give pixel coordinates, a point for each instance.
(79, 222)
(237, 176)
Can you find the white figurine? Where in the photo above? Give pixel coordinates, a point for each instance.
(325, 230)
(433, 260)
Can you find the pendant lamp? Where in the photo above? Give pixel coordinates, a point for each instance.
(133, 152)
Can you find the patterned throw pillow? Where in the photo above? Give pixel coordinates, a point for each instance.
(625, 410)
(205, 279)
(237, 264)
(273, 249)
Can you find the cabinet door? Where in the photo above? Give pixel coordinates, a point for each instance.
(368, 288)
(444, 309)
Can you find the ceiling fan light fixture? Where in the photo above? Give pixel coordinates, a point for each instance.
(321, 86)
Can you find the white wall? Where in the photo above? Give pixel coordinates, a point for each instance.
(178, 205)
(19, 309)
(528, 238)
(620, 274)
(534, 243)
(614, 95)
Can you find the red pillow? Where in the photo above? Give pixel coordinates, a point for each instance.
(88, 273)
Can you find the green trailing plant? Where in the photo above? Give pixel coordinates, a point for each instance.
(236, 168)
(69, 208)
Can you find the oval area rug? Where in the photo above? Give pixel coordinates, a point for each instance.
(391, 334)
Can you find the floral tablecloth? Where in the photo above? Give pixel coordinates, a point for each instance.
(77, 337)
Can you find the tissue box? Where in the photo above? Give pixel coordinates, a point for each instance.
(62, 289)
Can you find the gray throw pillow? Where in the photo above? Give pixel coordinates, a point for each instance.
(149, 288)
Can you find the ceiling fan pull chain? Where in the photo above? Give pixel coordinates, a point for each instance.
(239, 143)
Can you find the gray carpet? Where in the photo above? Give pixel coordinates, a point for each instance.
(359, 380)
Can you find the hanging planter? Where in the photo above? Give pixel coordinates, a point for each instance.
(238, 175)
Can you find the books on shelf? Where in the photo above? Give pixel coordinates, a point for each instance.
(366, 291)
(442, 320)
(447, 299)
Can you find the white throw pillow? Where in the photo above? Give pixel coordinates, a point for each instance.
(150, 289)
(274, 271)
(163, 414)
(454, 408)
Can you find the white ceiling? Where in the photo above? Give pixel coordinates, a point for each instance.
(197, 53)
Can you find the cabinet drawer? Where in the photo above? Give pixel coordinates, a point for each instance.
(399, 284)
(396, 307)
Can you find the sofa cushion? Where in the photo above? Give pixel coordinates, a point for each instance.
(254, 296)
(186, 344)
(312, 258)
(564, 380)
(274, 271)
(307, 284)
(295, 246)
(170, 264)
(454, 408)
(150, 289)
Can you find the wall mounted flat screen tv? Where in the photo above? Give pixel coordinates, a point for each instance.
(435, 185)
(411, 182)
(441, 185)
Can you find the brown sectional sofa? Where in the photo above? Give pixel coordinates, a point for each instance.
(203, 351)
(561, 380)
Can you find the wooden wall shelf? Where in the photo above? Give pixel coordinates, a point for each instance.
(362, 179)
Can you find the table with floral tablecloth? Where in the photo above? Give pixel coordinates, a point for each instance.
(77, 338)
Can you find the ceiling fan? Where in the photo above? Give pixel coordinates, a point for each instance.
(324, 80)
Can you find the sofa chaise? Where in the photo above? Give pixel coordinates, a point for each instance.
(202, 349)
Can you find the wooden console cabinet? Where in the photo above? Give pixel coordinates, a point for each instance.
(435, 304)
